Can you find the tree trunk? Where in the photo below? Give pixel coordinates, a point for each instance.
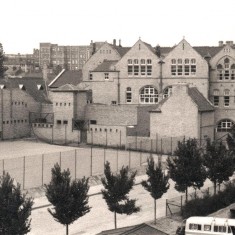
(214, 187)
(219, 187)
(115, 220)
(67, 229)
(155, 213)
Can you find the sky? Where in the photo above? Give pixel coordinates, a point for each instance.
(26, 23)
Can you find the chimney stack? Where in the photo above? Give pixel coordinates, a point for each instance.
(114, 42)
(221, 43)
(230, 43)
(120, 42)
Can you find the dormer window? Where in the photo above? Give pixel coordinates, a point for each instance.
(22, 87)
(40, 87)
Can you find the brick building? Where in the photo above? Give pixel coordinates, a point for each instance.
(123, 92)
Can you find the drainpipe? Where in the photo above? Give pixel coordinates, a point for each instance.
(161, 62)
(118, 87)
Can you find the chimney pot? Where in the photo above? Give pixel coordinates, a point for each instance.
(221, 43)
(114, 42)
(120, 42)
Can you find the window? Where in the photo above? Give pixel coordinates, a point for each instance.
(91, 76)
(130, 70)
(93, 122)
(65, 122)
(216, 97)
(226, 98)
(225, 125)
(195, 226)
(136, 70)
(106, 76)
(180, 67)
(128, 95)
(148, 95)
(167, 92)
(139, 68)
(220, 229)
(207, 227)
(114, 102)
(149, 70)
(58, 122)
(226, 69)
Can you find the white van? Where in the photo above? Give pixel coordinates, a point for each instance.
(209, 226)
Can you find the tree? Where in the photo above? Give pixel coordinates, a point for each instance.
(116, 188)
(157, 182)
(2, 58)
(15, 208)
(70, 199)
(219, 162)
(186, 167)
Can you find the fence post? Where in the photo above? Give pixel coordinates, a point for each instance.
(75, 175)
(140, 152)
(24, 173)
(52, 134)
(60, 159)
(129, 156)
(104, 155)
(117, 157)
(3, 166)
(181, 204)
(166, 207)
(161, 145)
(42, 168)
(136, 136)
(120, 139)
(91, 160)
(151, 146)
(106, 141)
(156, 142)
(171, 147)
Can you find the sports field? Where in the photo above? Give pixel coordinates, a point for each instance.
(20, 148)
(30, 163)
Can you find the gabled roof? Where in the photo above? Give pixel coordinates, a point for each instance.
(107, 65)
(73, 77)
(121, 50)
(141, 229)
(30, 86)
(150, 47)
(66, 87)
(202, 103)
(206, 50)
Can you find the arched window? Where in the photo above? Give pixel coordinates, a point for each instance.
(167, 92)
(226, 69)
(128, 95)
(148, 95)
(225, 125)
(173, 61)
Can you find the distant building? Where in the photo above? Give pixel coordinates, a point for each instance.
(68, 57)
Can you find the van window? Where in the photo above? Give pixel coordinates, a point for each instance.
(195, 226)
(207, 227)
(220, 229)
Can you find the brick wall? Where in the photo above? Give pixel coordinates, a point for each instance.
(178, 116)
(15, 113)
(112, 114)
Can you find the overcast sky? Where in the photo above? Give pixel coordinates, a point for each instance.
(26, 23)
